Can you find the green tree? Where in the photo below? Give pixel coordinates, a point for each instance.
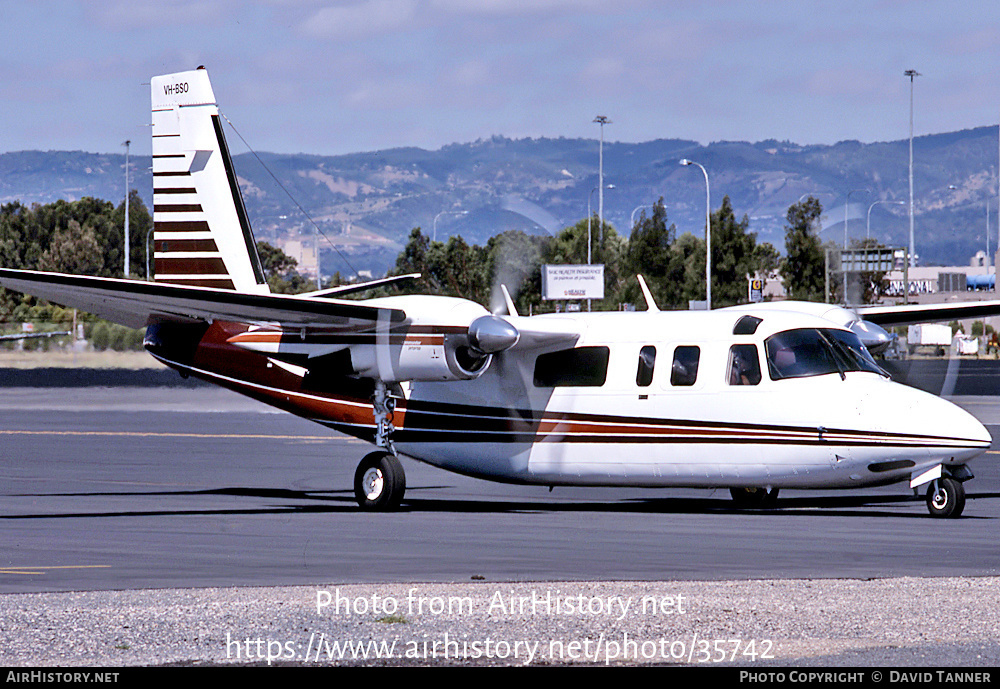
(140, 224)
(461, 270)
(733, 256)
(73, 250)
(514, 259)
(654, 253)
(804, 267)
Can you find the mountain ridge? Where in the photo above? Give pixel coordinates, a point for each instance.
(366, 203)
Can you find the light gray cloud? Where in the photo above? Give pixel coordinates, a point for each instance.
(360, 20)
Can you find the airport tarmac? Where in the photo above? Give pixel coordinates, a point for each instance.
(117, 501)
(208, 488)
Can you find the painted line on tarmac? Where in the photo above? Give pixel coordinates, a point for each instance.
(43, 569)
(158, 434)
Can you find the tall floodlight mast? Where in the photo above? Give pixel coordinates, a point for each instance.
(601, 120)
(911, 73)
(128, 143)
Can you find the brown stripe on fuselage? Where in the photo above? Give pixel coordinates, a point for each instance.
(421, 421)
(323, 338)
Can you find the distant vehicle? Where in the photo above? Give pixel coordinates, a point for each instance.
(929, 334)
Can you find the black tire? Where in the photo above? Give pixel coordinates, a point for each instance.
(379, 482)
(754, 498)
(945, 498)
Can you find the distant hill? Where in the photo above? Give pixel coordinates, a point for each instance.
(367, 203)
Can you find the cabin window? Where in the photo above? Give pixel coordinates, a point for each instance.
(579, 367)
(647, 357)
(744, 367)
(684, 370)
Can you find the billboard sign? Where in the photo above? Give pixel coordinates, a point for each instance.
(573, 281)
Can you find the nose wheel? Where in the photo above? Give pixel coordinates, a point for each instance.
(379, 482)
(945, 498)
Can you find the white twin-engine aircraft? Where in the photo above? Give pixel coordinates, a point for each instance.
(751, 398)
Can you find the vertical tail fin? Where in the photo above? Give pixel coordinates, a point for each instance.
(200, 229)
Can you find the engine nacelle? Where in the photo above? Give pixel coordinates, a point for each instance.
(446, 339)
(442, 339)
(421, 358)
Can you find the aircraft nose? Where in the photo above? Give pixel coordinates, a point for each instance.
(955, 427)
(972, 428)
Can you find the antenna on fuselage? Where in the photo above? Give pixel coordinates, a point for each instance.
(511, 309)
(650, 303)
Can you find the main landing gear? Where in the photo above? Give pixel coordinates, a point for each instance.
(755, 498)
(945, 498)
(379, 482)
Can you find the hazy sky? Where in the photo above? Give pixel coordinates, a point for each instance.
(360, 75)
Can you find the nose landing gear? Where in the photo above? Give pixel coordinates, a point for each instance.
(945, 498)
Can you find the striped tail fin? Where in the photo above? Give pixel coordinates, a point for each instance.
(201, 233)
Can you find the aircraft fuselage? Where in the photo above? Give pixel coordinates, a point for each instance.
(626, 413)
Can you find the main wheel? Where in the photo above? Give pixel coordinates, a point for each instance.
(379, 482)
(945, 498)
(761, 498)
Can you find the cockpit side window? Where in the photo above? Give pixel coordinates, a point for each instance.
(744, 366)
(684, 370)
(647, 358)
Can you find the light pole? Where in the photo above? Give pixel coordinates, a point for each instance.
(127, 143)
(913, 252)
(590, 215)
(847, 205)
(601, 120)
(988, 202)
(868, 231)
(708, 235)
(434, 234)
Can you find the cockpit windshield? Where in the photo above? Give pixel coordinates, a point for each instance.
(816, 351)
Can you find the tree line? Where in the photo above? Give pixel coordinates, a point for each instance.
(86, 237)
(672, 264)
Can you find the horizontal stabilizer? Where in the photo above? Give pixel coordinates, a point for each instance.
(136, 303)
(362, 286)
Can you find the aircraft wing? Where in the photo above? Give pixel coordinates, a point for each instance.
(907, 314)
(137, 303)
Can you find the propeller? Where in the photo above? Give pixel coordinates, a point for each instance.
(492, 334)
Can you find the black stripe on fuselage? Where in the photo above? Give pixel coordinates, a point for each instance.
(435, 417)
